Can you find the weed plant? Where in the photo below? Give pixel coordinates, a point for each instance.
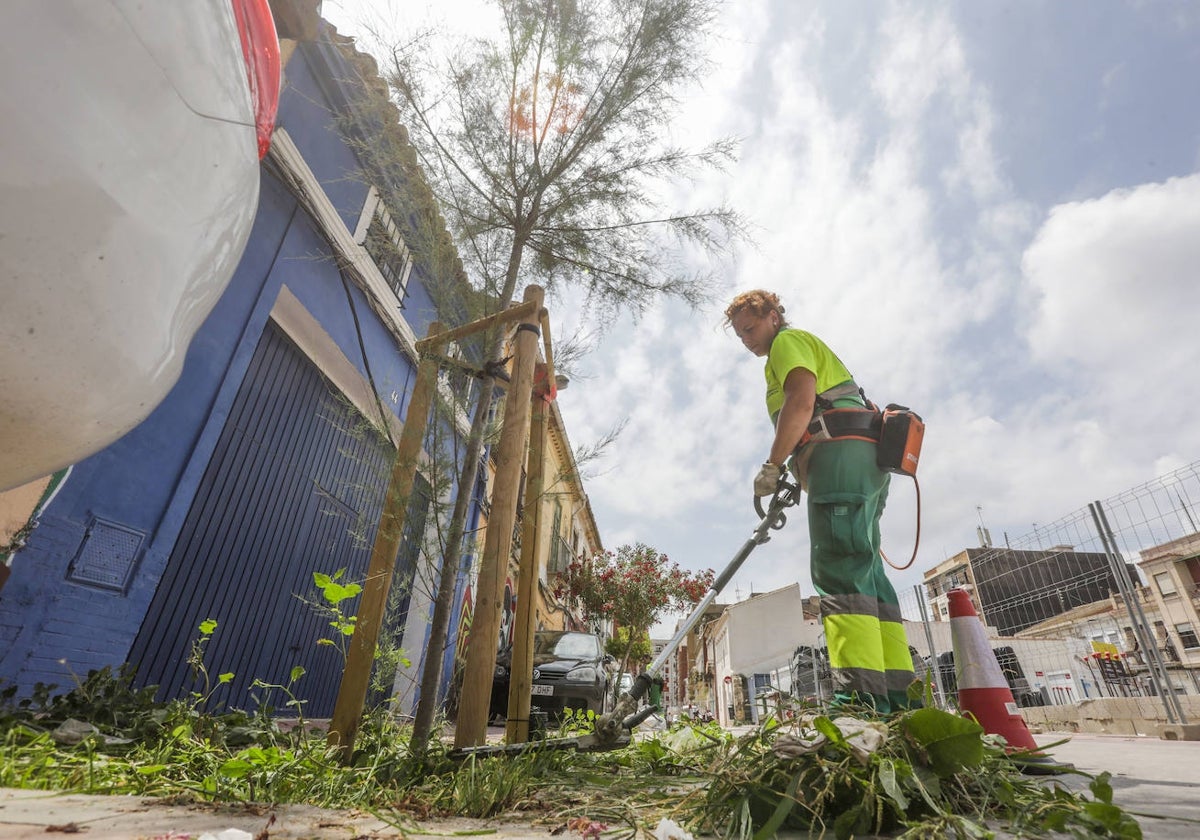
(935, 776)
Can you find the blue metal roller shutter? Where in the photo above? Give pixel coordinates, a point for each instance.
(294, 487)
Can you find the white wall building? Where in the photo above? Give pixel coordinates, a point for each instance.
(754, 639)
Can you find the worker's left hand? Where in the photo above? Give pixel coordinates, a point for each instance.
(767, 480)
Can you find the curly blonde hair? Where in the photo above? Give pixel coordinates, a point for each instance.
(760, 302)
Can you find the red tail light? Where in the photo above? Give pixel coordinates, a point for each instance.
(260, 47)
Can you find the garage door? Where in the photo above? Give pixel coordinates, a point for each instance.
(294, 487)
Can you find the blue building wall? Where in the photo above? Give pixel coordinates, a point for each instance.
(51, 627)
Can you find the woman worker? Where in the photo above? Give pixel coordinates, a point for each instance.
(868, 649)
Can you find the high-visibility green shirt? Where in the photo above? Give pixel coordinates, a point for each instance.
(793, 349)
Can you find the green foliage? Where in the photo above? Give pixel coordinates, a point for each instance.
(105, 698)
(199, 668)
(294, 703)
(952, 743)
(544, 146)
(621, 648)
(577, 722)
(331, 606)
(937, 776)
(334, 594)
(933, 778)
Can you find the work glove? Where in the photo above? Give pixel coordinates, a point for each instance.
(767, 480)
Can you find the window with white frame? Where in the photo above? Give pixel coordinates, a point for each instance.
(1165, 583)
(381, 238)
(558, 560)
(459, 382)
(1187, 636)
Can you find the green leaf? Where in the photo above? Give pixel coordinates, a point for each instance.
(297, 673)
(974, 829)
(952, 742)
(335, 593)
(929, 785)
(851, 823)
(224, 678)
(1110, 816)
(208, 626)
(827, 728)
(150, 769)
(1100, 787)
(236, 768)
(782, 809)
(891, 785)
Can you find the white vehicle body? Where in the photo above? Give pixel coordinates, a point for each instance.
(129, 176)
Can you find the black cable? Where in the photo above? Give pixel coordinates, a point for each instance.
(303, 200)
(362, 349)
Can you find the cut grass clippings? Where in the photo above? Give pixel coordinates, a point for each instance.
(919, 774)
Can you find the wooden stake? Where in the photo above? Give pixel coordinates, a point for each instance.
(471, 725)
(520, 677)
(356, 676)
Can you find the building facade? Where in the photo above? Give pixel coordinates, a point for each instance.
(753, 641)
(1014, 589)
(1172, 572)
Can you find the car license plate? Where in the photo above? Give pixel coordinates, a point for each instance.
(543, 690)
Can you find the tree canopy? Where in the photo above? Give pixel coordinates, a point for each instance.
(551, 139)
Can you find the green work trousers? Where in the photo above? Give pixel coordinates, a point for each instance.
(868, 649)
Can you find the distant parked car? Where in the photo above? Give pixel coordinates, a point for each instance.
(568, 673)
(132, 134)
(624, 683)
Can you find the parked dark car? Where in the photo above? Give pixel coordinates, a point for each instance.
(569, 672)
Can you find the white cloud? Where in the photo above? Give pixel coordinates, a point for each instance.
(1114, 292)
(1115, 283)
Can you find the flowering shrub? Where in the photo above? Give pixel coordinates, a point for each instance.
(633, 586)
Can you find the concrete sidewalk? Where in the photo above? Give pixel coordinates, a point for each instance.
(1156, 780)
(1150, 777)
(31, 813)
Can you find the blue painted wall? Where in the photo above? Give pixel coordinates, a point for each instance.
(52, 627)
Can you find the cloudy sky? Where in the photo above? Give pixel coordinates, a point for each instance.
(990, 210)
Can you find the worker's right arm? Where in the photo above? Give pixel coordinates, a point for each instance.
(799, 402)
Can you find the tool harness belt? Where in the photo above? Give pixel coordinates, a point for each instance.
(836, 423)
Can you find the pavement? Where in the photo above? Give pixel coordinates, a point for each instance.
(1157, 780)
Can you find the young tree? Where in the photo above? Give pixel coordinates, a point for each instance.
(545, 148)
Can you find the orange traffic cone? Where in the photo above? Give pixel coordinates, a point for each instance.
(983, 692)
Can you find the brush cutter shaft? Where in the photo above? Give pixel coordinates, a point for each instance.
(787, 495)
(621, 720)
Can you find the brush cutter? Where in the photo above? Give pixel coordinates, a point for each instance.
(615, 729)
